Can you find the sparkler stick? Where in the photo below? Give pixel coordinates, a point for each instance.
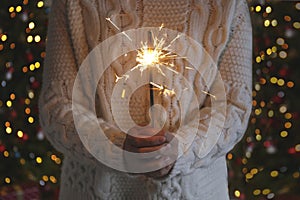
(151, 91)
(150, 47)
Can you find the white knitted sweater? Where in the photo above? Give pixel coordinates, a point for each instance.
(76, 26)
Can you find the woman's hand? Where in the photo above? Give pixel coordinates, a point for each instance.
(146, 140)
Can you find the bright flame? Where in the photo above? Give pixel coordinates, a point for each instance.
(147, 56)
(155, 55)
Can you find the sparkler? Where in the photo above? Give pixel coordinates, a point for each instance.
(150, 57)
(155, 54)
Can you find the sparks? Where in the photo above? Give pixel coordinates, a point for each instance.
(155, 57)
(189, 68)
(108, 19)
(123, 93)
(154, 53)
(177, 37)
(163, 89)
(121, 77)
(205, 92)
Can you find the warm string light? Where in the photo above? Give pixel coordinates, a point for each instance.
(270, 113)
(20, 104)
(40, 4)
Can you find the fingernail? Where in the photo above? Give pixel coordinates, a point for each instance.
(162, 139)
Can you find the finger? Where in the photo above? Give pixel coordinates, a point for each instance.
(149, 142)
(169, 136)
(165, 150)
(142, 145)
(150, 149)
(145, 142)
(151, 152)
(149, 131)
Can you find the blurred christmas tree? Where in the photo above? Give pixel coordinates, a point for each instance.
(266, 164)
(25, 155)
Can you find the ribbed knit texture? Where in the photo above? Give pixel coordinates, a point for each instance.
(76, 26)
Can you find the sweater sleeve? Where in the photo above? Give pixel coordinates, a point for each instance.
(55, 101)
(235, 68)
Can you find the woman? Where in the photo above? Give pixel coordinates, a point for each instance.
(77, 26)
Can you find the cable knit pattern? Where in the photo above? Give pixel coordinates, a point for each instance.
(173, 14)
(236, 73)
(77, 26)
